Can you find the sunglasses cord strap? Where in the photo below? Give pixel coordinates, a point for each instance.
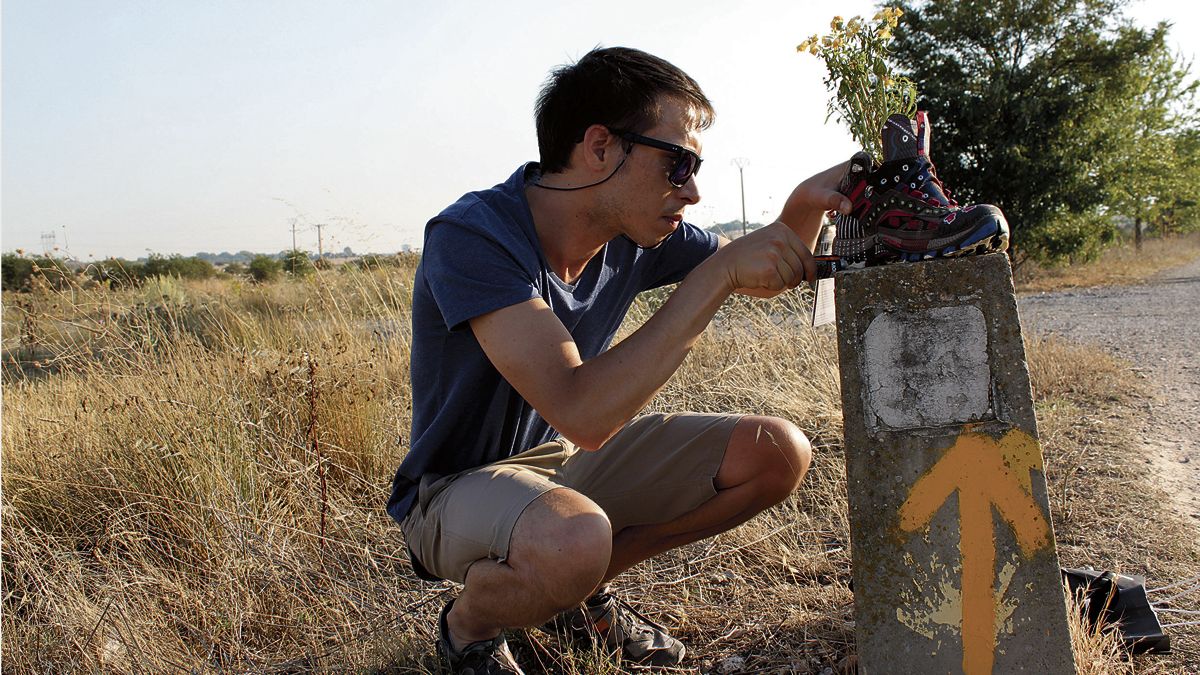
(538, 182)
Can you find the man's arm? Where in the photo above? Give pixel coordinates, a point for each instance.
(589, 401)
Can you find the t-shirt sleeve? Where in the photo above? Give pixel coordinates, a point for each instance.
(471, 272)
(679, 254)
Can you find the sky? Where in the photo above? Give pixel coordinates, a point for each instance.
(180, 126)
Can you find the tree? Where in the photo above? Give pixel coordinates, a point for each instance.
(1180, 212)
(1149, 172)
(1033, 104)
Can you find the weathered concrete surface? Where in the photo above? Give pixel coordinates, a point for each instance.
(940, 431)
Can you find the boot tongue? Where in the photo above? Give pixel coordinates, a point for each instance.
(905, 138)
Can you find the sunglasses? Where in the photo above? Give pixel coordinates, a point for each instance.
(687, 163)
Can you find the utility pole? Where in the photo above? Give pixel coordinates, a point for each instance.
(293, 234)
(320, 247)
(741, 163)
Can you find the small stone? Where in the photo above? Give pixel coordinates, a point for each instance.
(730, 665)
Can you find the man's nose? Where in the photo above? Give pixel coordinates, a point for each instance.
(690, 192)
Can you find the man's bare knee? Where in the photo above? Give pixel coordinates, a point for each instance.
(561, 546)
(783, 451)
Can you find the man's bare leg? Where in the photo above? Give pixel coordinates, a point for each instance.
(558, 554)
(764, 463)
(562, 548)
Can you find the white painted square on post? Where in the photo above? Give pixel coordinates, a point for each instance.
(927, 368)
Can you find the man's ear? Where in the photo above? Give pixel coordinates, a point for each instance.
(598, 148)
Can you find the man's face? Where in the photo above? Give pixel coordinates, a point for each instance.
(646, 206)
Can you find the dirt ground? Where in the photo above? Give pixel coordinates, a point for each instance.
(1154, 326)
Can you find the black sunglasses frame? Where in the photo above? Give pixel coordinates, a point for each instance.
(681, 156)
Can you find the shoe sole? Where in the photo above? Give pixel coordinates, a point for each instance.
(989, 237)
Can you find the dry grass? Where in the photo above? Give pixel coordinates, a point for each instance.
(1108, 513)
(1097, 648)
(1120, 265)
(194, 478)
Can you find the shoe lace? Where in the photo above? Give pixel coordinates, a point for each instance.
(934, 179)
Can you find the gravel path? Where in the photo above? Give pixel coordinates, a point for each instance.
(1156, 326)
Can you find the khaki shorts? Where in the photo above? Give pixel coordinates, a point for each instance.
(654, 470)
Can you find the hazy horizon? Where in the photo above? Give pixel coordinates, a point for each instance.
(132, 126)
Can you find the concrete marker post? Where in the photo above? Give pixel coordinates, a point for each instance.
(955, 569)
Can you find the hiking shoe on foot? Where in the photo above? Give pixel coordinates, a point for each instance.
(486, 657)
(901, 211)
(604, 619)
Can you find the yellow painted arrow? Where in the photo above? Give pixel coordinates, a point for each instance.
(987, 473)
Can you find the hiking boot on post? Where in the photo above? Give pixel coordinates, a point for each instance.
(607, 621)
(901, 211)
(486, 657)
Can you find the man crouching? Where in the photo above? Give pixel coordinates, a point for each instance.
(532, 479)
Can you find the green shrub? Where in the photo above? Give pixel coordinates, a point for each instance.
(19, 272)
(375, 261)
(1071, 238)
(178, 266)
(16, 271)
(265, 268)
(297, 263)
(117, 272)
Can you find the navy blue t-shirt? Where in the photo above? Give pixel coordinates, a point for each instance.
(482, 254)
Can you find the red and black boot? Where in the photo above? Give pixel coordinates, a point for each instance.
(901, 211)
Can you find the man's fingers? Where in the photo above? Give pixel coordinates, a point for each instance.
(787, 274)
(791, 269)
(801, 259)
(837, 201)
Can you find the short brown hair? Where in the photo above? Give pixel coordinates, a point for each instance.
(618, 87)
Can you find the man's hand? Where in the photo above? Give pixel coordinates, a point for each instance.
(811, 199)
(766, 262)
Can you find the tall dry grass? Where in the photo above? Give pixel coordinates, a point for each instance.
(194, 478)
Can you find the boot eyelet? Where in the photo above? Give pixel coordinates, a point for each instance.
(904, 167)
